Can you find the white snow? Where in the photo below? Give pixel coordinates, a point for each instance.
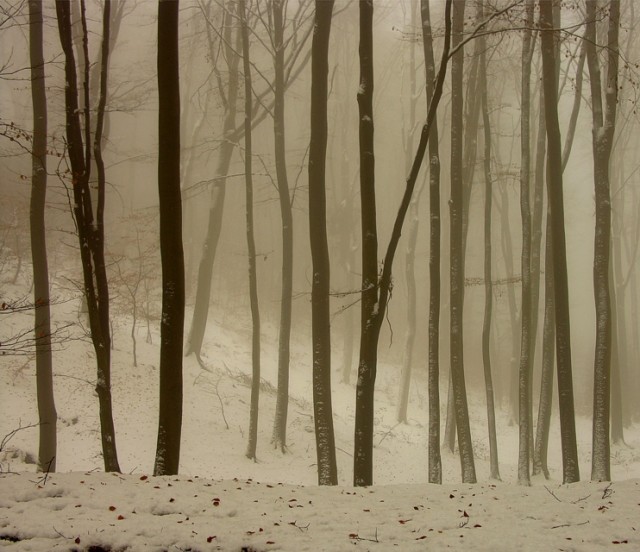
(224, 501)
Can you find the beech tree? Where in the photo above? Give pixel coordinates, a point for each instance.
(604, 125)
(171, 325)
(48, 417)
(320, 314)
(570, 468)
(90, 227)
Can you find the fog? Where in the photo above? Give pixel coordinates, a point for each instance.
(207, 58)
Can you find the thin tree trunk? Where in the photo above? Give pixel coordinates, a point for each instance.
(435, 462)
(488, 286)
(251, 243)
(218, 194)
(90, 231)
(172, 321)
(571, 471)
(47, 446)
(279, 437)
(410, 253)
(374, 304)
(604, 119)
(526, 364)
(320, 314)
(467, 463)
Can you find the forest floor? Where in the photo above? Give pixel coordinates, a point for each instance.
(223, 501)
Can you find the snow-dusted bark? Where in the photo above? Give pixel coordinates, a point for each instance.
(90, 229)
(320, 313)
(604, 118)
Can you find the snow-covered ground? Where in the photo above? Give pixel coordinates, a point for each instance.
(224, 501)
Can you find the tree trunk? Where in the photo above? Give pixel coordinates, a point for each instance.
(90, 231)
(488, 286)
(571, 471)
(47, 448)
(218, 193)
(320, 313)
(172, 321)
(410, 253)
(435, 462)
(251, 243)
(279, 437)
(602, 142)
(457, 253)
(526, 364)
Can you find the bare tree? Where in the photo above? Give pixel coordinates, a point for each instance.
(90, 229)
(604, 125)
(42, 324)
(167, 458)
(320, 315)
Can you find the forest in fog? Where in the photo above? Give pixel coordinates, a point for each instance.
(443, 193)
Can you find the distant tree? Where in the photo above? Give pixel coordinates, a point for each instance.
(320, 315)
(90, 227)
(47, 450)
(488, 285)
(435, 462)
(171, 325)
(604, 125)
(570, 468)
(456, 249)
(524, 380)
(251, 243)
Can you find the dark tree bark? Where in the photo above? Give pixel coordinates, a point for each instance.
(435, 461)
(526, 364)
(571, 471)
(251, 243)
(172, 322)
(488, 285)
(604, 120)
(279, 437)
(90, 231)
(456, 251)
(367, 365)
(375, 292)
(47, 448)
(320, 314)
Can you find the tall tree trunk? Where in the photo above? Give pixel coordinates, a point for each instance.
(410, 252)
(320, 314)
(435, 462)
(375, 293)
(571, 471)
(47, 447)
(363, 457)
(604, 118)
(172, 322)
(251, 243)
(218, 192)
(488, 286)
(90, 230)
(526, 364)
(457, 271)
(279, 438)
